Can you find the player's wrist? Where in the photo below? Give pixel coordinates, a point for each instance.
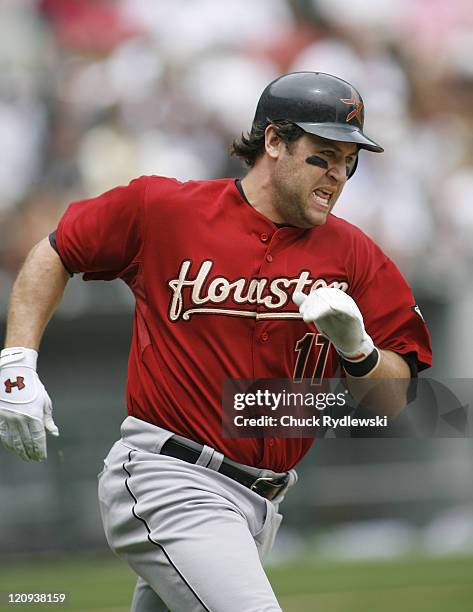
(19, 355)
(362, 367)
(362, 361)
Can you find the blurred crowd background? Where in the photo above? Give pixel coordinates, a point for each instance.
(96, 92)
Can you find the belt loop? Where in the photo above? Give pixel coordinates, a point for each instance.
(216, 461)
(205, 456)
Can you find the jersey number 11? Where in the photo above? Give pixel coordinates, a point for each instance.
(305, 348)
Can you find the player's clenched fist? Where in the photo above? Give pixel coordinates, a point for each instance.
(25, 407)
(336, 315)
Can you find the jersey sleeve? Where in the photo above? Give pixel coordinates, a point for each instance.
(102, 237)
(389, 310)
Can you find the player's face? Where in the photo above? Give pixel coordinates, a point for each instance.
(306, 191)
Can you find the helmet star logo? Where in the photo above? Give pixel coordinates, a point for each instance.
(356, 112)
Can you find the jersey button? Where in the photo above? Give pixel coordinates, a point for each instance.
(271, 442)
(269, 258)
(264, 337)
(264, 237)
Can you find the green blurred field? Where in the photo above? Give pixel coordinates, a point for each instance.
(416, 585)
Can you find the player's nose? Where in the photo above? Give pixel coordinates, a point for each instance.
(338, 171)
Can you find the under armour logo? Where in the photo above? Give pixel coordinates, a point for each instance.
(19, 383)
(356, 112)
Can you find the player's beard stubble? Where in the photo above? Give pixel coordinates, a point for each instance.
(293, 186)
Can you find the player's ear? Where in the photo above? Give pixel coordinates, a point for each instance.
(273, 143)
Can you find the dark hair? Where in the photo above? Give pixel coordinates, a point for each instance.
(250, 147)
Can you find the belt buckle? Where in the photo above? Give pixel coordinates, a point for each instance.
(267, 487)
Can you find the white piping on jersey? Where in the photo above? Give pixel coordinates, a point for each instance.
(186, 315)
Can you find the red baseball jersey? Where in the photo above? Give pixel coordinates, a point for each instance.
(213, 280)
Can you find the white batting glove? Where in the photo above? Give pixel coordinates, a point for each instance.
(25, 407)
(336, 315)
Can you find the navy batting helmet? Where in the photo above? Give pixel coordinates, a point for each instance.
(318, 103)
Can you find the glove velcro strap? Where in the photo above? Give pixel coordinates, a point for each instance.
(18, 355)
(364, 367)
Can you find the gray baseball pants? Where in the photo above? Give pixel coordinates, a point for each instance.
(194, 536)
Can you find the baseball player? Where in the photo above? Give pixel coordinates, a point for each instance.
(232, 279)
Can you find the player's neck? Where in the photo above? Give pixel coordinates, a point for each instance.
(259, 192)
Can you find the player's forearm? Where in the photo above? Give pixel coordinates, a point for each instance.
(389, 395)
(36, 293)
(391, 365)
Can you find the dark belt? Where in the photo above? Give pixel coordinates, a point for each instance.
(264, 482)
